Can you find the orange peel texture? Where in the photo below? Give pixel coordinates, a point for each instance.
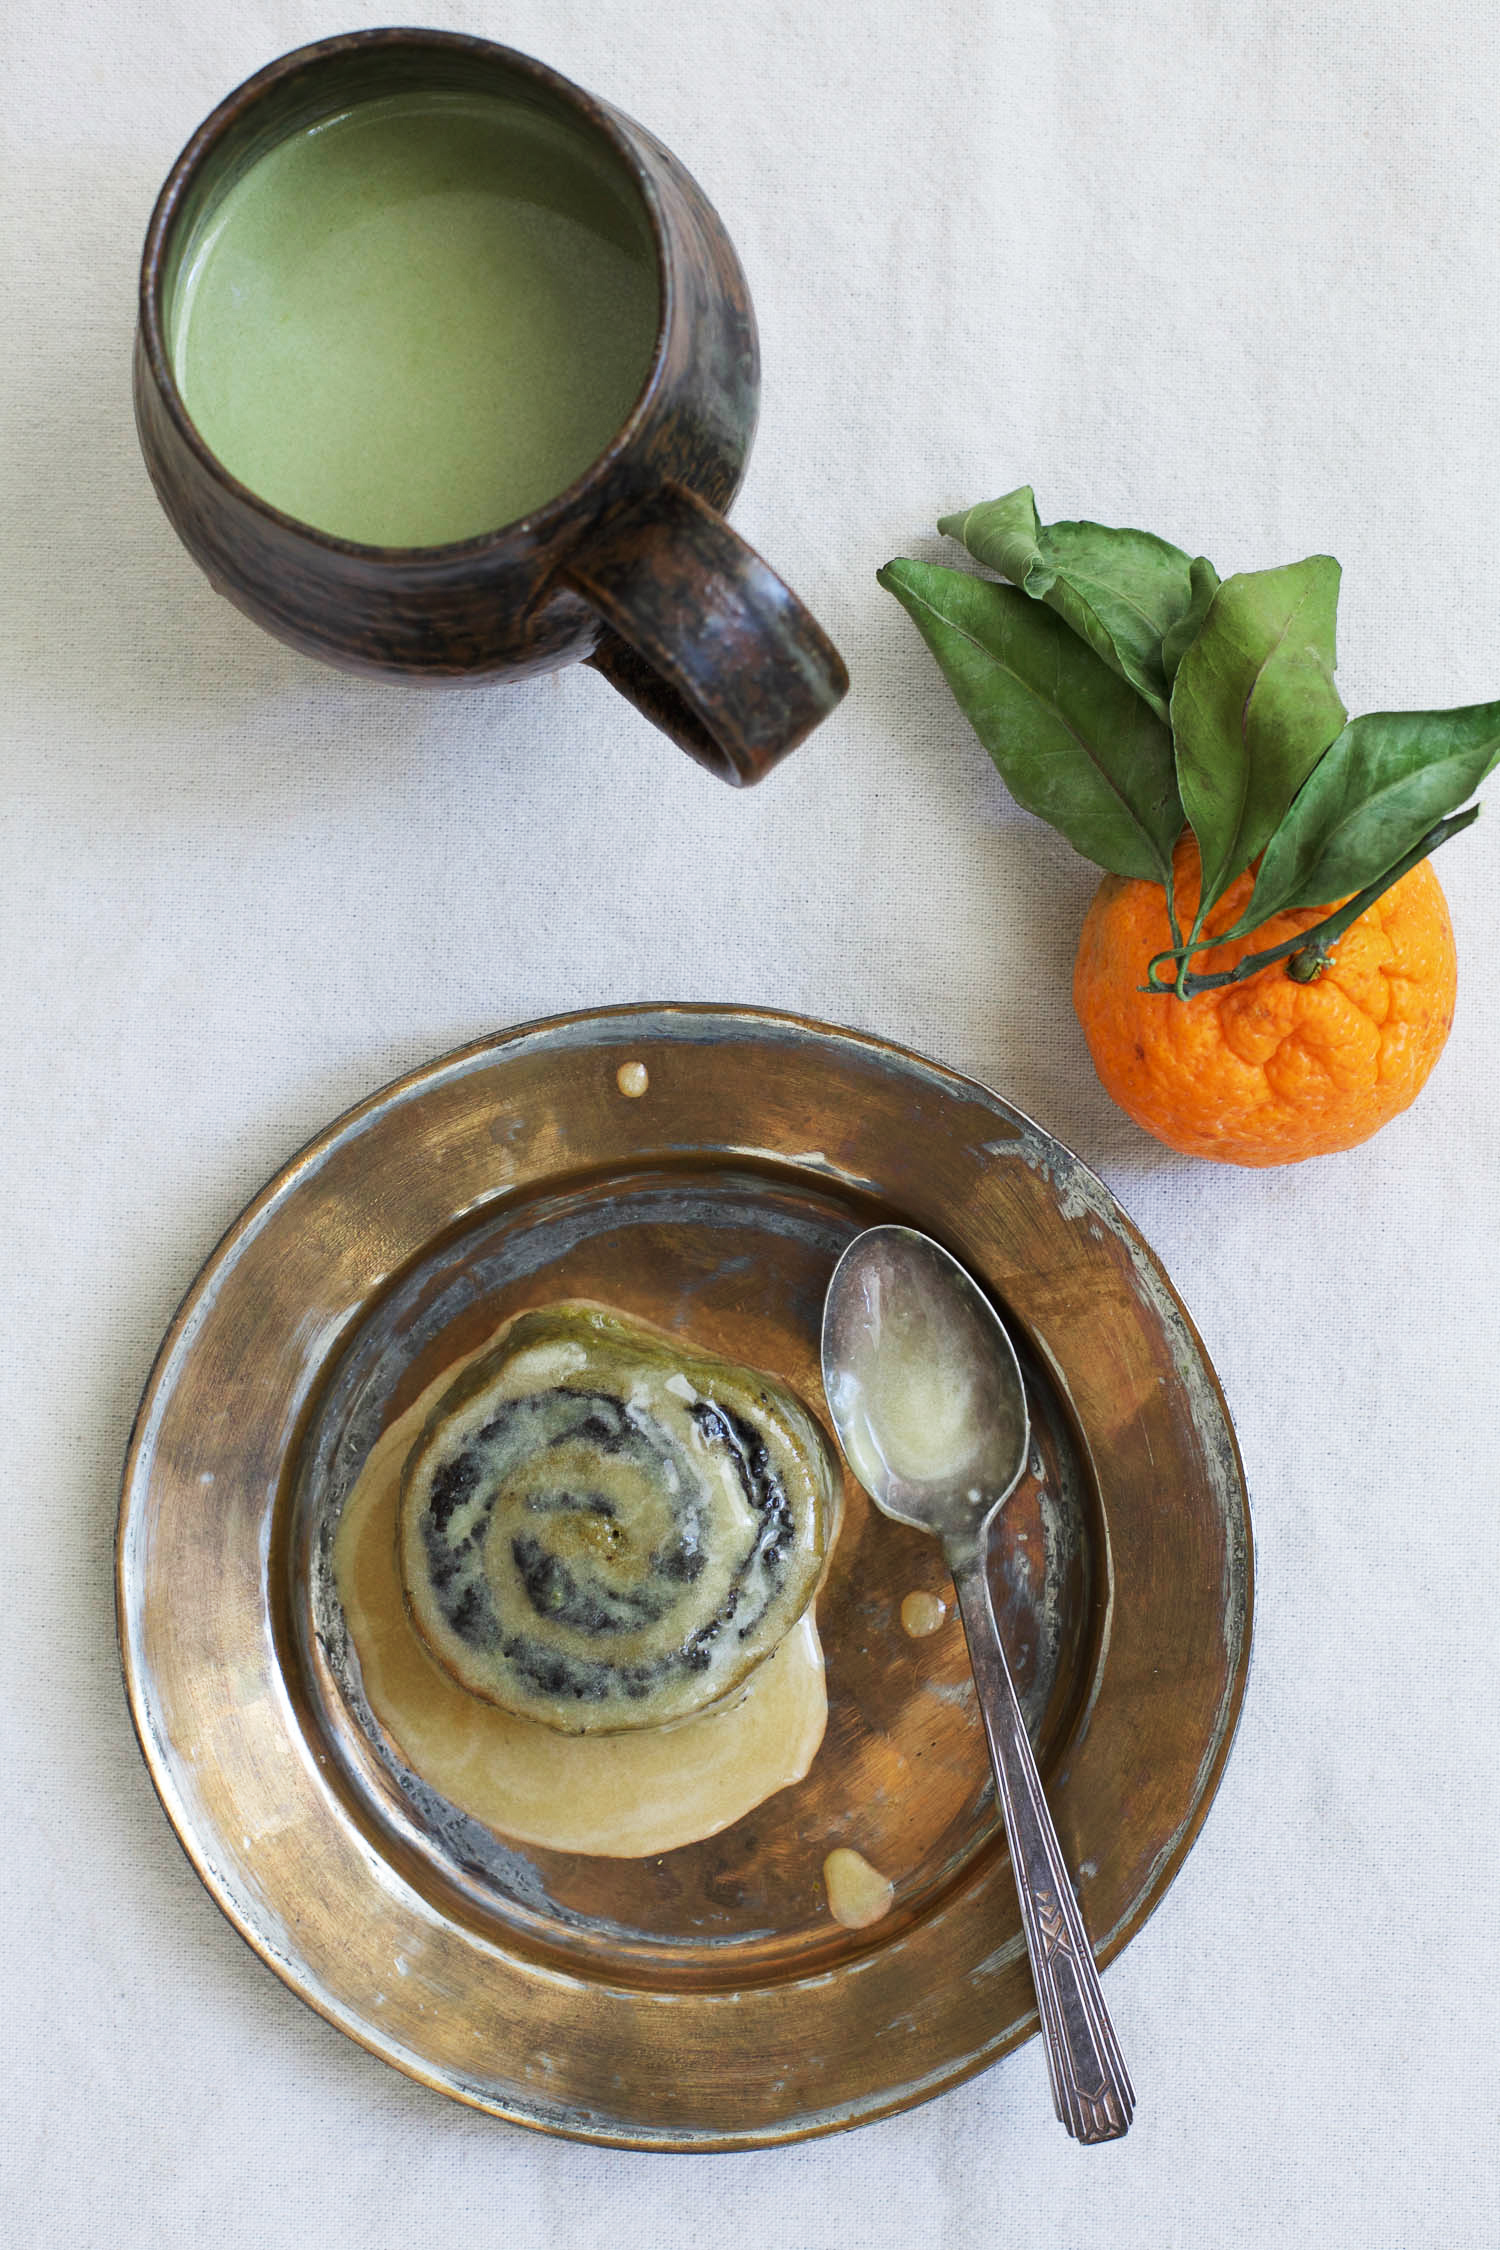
(1268, 1071)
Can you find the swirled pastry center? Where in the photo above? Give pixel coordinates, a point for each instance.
(601, 1531)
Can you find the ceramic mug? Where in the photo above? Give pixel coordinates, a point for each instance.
(631, 568)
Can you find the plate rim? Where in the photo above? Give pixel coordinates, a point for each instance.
(668, 1020)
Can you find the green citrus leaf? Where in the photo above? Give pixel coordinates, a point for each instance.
(1120, 591)
(1073, 743)
(1253, 709)
(1387, 779)
(1179, 638)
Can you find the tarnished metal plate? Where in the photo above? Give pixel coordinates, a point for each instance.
(704, 1998)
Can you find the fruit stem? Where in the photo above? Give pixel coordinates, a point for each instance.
(1311, 947)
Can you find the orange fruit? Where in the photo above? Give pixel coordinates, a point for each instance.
(1268, 1071)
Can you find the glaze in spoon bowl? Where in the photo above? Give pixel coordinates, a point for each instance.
(926, 1394)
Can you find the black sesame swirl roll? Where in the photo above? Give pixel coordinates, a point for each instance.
(601, 1530)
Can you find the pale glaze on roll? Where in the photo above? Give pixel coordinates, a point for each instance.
(603, 1531)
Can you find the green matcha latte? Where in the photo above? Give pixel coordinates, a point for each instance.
(417, 320)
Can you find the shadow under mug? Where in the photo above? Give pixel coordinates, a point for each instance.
(631, 569)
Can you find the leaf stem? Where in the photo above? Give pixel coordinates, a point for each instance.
(1178, 952)
(1172, 922)
(1307, 952)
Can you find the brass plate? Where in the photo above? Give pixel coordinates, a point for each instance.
(705, 1998)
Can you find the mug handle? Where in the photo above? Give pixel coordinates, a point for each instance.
(703, 637)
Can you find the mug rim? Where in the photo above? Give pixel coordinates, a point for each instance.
(195, 154)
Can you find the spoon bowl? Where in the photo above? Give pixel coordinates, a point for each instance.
(926, 1395)
(923, 1384)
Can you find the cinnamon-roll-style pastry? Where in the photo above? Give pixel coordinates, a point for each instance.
(602, 1531)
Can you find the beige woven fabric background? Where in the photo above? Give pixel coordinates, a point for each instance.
(1225, 270)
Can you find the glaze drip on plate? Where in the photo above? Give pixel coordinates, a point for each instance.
(603, 1532)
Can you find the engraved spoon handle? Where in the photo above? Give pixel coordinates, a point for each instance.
(1091, 2089)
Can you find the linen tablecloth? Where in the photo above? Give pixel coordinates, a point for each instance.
(1228, 272)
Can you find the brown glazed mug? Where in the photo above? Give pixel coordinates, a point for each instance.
(632, 568)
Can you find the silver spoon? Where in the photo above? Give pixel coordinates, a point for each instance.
(925, 1392)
